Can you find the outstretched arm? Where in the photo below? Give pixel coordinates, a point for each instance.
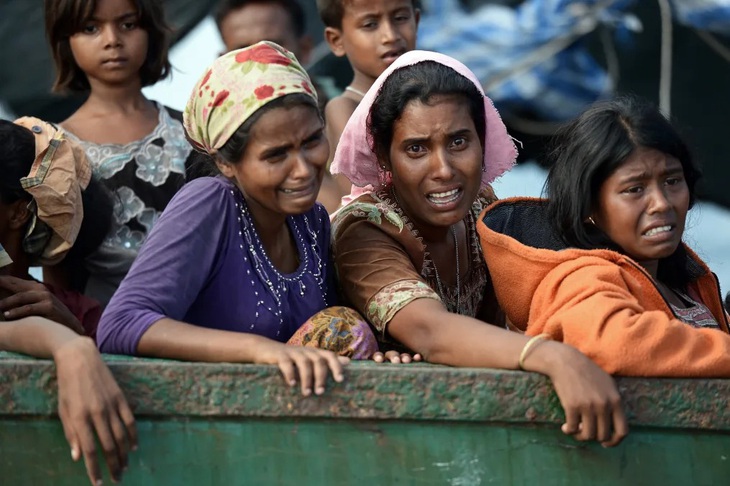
(172, 339)
(392, 295)
(588, 395)
(90, 402)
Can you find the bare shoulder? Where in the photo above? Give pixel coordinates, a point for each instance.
(336, 114)
(338, 111)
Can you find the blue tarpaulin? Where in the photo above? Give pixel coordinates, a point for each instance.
(528, 57)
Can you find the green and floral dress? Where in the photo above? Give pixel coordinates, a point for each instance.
(383, 264)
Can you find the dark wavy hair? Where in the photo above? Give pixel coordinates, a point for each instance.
(17, 154)
(586, 151)
(65, 18)
(421, 81)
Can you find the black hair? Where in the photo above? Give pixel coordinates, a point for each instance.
(586, 151)
(292, 7)
(235, 147)
(727, 301)
(17, 154)
(421, 81)
(332, 11)
(65, 18)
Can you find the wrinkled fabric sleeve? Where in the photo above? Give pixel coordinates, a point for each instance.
(592, 307)
(376, 274)
(173, 265)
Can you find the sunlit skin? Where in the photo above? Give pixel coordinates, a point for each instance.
(436, 163)
(111, 46)
(260, 21)
(280, 173)
(374, 33)
(642, 206)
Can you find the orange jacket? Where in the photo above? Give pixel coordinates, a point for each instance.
(599, 301)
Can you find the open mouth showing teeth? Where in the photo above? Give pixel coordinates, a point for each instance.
(444, 197)
(295, 191)
(657, 230)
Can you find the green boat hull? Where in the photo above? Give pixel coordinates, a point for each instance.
(415, 424)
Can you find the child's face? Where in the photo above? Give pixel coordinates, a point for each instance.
(375, 33)
(261, 21)
(643, 205)
(111, 47)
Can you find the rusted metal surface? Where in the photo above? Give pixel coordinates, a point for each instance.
(320, 452)
(159, 389)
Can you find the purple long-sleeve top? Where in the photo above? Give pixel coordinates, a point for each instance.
(203, 264)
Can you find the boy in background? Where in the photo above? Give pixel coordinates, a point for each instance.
(372, 34)
(243, 23)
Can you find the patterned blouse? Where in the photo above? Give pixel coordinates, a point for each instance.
(383, 264)
(696, 314)
(143, 176)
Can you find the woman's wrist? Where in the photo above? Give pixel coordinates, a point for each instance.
(547, 357)
(72, 345)
(261, 349)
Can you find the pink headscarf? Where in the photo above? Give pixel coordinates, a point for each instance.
(355, 159)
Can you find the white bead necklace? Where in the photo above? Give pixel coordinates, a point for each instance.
(263, 266)
(436, 270)
(356, 91)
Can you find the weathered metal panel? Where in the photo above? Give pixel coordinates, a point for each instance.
(387, 424)
(358, 452)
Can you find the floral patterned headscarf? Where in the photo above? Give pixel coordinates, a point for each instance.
(236, 85)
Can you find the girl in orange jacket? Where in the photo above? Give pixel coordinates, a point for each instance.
(601, 265)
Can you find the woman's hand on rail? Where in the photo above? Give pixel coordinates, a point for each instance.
(589, 396)
(312, 365)
(91, 403)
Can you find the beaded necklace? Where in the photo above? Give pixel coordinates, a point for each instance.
(441, 292)
(275, 281)
(458, 277)
(356, 91)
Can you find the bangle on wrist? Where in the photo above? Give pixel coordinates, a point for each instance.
(530, 345)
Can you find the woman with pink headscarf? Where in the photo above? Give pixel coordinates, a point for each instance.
(428, 142)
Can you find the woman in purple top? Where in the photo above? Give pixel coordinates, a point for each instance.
(239, 264)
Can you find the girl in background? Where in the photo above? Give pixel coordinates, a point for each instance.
(110, 50)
